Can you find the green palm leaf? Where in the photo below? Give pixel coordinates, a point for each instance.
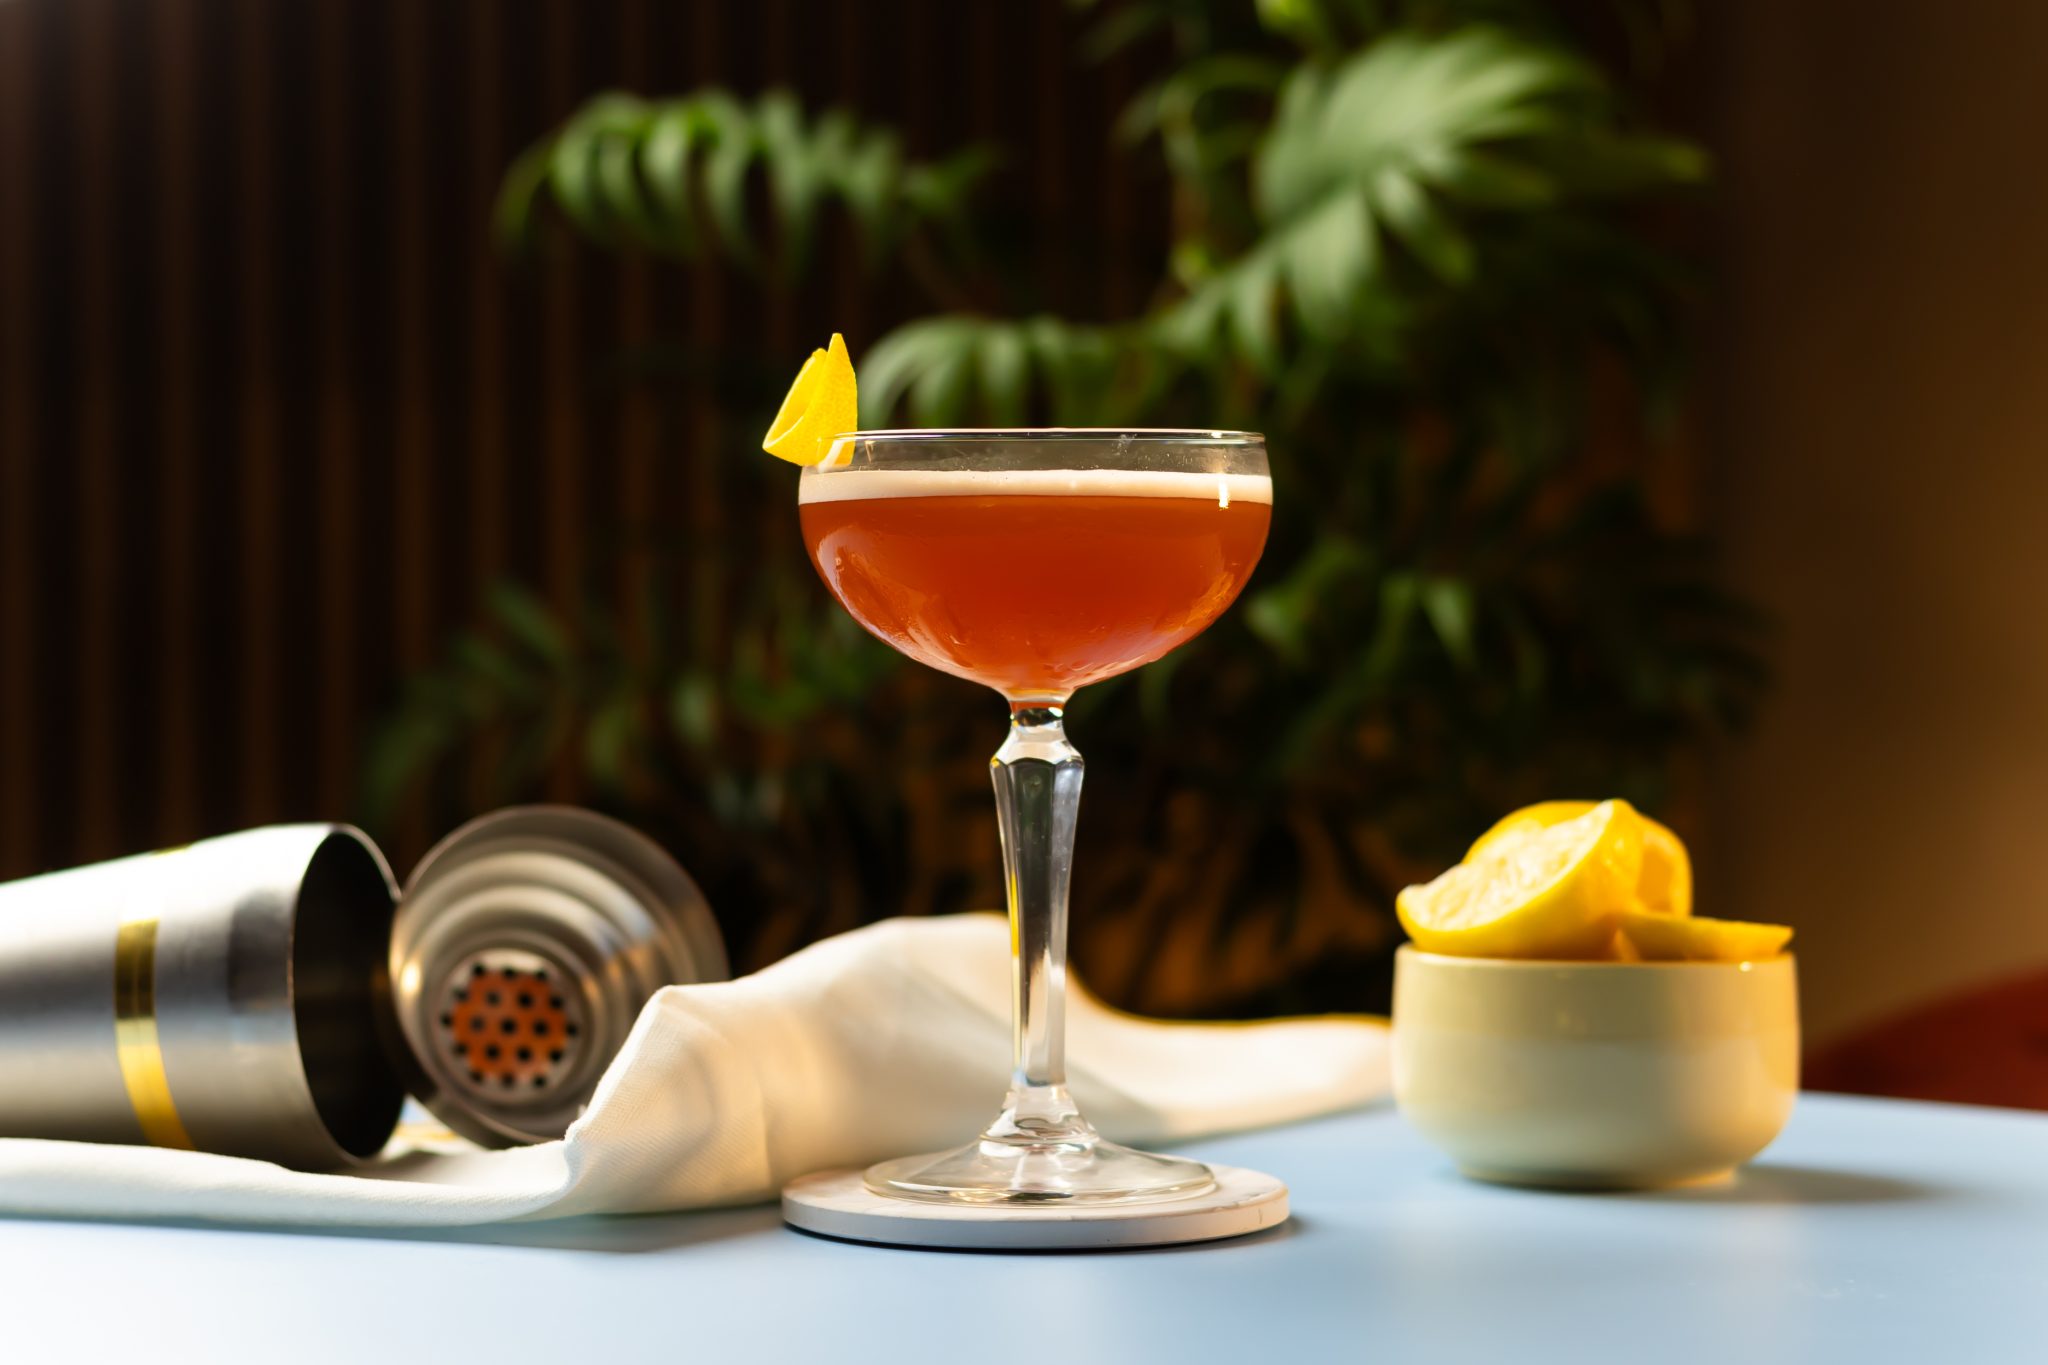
(1395, 159)
(946, 370)
(674, 176)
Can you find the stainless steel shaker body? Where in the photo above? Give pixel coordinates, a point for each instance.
(231, 996)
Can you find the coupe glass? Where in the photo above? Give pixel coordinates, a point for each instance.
(1036, 562)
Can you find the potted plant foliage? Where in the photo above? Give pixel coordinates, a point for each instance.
(1407, 244)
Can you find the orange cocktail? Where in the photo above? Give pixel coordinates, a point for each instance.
(1036, 562)
(1036, 582)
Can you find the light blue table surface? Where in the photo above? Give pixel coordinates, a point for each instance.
(1872, 1231)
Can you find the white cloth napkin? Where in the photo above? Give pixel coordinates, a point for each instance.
(885, 1041)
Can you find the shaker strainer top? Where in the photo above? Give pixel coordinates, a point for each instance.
(524, 946)
(508, 1021)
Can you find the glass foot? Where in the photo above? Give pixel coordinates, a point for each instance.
(1081, 1168)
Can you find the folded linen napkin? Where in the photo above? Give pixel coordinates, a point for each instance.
(884, 1041)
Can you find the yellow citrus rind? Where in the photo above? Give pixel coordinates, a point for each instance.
(1656, 937)
(1666, 883)
(822, 403)
(1538, 891)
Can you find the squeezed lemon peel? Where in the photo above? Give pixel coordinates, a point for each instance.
(1665, 938)
(1665, 885)
(1550, 892)
(1577, 881)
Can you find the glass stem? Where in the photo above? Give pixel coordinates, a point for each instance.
(1037, 776)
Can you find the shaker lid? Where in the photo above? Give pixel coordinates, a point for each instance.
(524, 946)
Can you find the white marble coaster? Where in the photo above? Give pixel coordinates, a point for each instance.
(837, 1204)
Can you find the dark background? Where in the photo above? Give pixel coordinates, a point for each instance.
(276, 409)
(274, 413)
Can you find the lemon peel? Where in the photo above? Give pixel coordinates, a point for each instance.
(823, 403)
(1666, 938)
(1666, 882)
(1535, 892)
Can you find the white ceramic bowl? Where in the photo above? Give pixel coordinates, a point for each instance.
(1595, 1075)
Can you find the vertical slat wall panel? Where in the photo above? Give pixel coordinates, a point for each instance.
(482, 503)
(706, 320)
(337, 423)
(21, 747)
(849, 85)
(257, 432)
(412, 508)
(1119, 288)
(274, 413)
(561, 480)
(484, 41)
(1051, 59)
(173, 36)
(412, 512)
(637, 417)
(95, 105)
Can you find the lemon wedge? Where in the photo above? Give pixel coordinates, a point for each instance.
(1535, 891)
(822, 403)
(1665, 886)
(1664, 938)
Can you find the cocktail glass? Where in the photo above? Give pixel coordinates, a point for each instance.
(1036, 562)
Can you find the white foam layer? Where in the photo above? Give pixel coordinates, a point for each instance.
(855, 484)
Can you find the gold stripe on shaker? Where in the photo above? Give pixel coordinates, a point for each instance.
(135, 1039)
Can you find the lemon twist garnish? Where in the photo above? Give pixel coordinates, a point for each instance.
(822, 403)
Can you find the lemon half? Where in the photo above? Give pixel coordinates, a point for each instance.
(1666, 882)
(822, 403)
(1534, 890)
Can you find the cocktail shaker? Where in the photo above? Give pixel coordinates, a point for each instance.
(230, 996)
(269, 994)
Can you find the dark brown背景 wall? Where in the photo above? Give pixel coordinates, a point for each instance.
(273, 414)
